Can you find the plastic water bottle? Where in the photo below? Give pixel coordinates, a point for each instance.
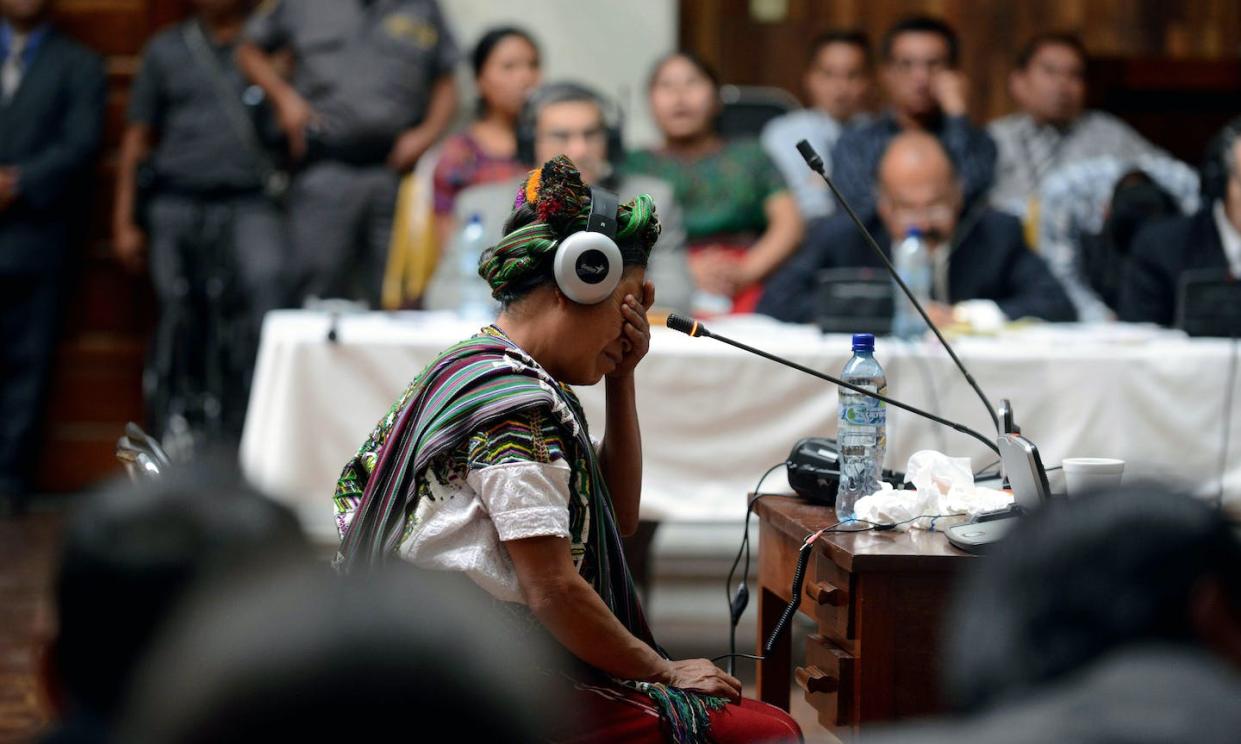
(474, 299)
(913, 264)
(706, 304)
(862, 434)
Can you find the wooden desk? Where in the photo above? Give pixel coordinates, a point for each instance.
(878, 599)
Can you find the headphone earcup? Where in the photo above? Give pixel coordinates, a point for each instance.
(587, 267)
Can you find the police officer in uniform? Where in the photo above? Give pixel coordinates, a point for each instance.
(213, 228)
(372, 90)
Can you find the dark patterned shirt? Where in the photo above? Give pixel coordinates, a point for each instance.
(855, 159)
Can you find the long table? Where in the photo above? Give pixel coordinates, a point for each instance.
(714, 418)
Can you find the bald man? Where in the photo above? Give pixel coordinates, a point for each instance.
(983, 271)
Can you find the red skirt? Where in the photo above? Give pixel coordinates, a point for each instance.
(746, 299)
(610, 713)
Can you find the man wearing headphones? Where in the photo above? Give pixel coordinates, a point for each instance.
(570, 119)
(1206, 242)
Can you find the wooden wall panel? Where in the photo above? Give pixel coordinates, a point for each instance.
(1153, 33)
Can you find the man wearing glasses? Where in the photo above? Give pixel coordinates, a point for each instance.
(928, 93)
(982, 271)
(567, 118)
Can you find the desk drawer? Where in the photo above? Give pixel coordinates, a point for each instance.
(828, 680)
(831, 594)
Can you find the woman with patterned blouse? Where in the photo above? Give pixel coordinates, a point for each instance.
(485, 467)
(740, 218)
(506, 69)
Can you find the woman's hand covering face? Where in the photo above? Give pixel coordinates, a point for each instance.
(636, 330)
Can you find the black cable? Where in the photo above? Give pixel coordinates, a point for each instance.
(981, 471)
(730, 657)
(799, 577)
(1223, 447)
(737, 603)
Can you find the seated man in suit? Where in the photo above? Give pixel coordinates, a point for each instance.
(981, 264)
(1208, 240)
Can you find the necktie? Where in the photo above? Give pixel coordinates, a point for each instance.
(14, 66)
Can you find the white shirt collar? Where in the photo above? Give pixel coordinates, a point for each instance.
(1229, 237)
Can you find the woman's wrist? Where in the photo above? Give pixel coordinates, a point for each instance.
(622, 384)
(663, 670)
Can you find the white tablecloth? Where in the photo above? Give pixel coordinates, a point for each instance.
(714, 418)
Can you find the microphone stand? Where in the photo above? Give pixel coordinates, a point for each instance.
(816, 164)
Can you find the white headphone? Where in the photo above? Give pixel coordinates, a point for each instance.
(588, 264)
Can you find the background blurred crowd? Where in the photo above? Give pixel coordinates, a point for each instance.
(303, 150)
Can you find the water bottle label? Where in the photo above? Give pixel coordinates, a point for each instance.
(862, 410)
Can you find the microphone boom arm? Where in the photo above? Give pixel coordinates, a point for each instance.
(697, 329)
(816, 164)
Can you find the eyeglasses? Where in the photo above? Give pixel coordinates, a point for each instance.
(909, 64)
(562, 137)
(934, 213)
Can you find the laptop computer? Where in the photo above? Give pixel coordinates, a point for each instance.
(858, 300)
(1208, 303)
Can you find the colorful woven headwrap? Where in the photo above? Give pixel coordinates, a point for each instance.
(562, 205)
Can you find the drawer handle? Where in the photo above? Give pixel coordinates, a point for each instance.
(814, 680)
(825, 594)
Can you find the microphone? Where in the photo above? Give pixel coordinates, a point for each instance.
(696, 329)
(816, 164)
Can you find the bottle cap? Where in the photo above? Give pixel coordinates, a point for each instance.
(863, 342)
(913, 232)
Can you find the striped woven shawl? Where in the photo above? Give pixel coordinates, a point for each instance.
(475, 382)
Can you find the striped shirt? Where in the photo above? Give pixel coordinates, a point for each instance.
(1029, 152)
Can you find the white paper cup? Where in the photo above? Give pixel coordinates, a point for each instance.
(1085, 475)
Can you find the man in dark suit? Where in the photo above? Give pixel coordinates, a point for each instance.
(983, 271)
(1207, 241)
(51, 112)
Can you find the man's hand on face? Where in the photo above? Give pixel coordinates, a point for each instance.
(951, 89)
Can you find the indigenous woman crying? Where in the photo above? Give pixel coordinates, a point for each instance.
(484, 467)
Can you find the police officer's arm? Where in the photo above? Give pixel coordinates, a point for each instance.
(127, 239)
(293, 112)
(148, 103)
(415, 141)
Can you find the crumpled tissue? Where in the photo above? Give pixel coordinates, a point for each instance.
(945, 495)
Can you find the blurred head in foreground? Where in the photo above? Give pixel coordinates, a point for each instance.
(1083, 580)
(131, 553)
(311, 656)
